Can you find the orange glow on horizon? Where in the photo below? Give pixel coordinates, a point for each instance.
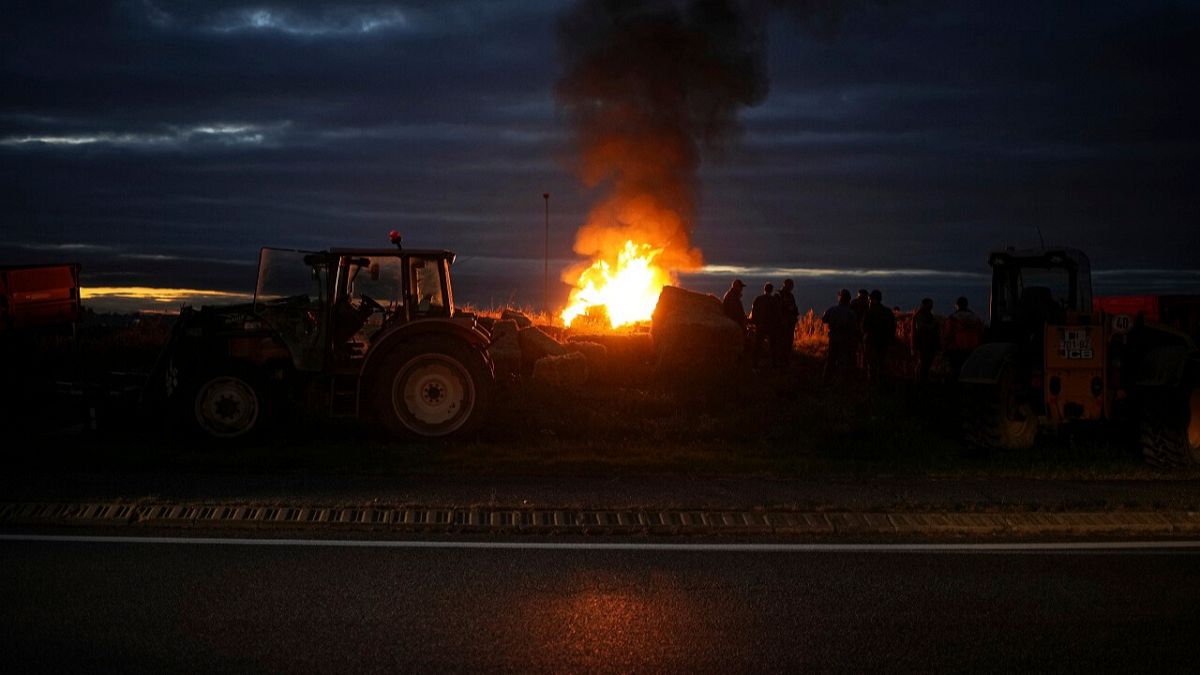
(157, 295)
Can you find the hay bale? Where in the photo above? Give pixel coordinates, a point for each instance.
(557, 332)
(595, 353)
(621, 346)
(535, 344)
(503, 328)
(505, 348)
(692, 335)
(627, 354)
(568, 371)
(519, 318)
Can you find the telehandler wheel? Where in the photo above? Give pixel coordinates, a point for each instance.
(1170, 427)
(433, 390)
(996, 418)
(228, 406)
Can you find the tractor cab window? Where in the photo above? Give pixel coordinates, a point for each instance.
(381, 280)
(287, 278)
(1035, 292)
(427, 292)
(291, 298)
(1053, 283)
(1045, 293)
(375, 287)
(368, 292)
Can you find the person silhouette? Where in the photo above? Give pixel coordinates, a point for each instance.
(879, 332)
(732, 305)
(843, 339)
(789, 314)
(924, 338)
(764, 317)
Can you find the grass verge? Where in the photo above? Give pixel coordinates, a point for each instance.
(772, 423)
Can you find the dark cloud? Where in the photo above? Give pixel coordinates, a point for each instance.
(909, 135)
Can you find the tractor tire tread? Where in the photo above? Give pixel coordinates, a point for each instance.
(1162, 430)
(473, 361)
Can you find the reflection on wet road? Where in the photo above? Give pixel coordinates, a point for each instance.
(109, 606)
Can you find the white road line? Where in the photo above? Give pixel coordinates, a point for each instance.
(732, 547)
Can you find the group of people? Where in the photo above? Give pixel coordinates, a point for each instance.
(859, 327)
(771, 324)
(864, 330)
(957, 337)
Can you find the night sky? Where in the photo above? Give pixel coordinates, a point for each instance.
(161, 143)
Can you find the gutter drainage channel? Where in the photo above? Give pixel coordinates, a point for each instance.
(414, 519)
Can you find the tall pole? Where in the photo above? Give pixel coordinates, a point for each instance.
(546, 265)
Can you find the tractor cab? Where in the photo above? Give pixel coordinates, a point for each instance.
(329, 307)
(1035, 287)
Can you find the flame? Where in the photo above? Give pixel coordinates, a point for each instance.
(624, 290)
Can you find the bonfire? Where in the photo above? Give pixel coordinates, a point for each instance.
(620, 291)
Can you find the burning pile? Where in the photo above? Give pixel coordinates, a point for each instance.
(621, 292)
(645, 83)
(521, 351)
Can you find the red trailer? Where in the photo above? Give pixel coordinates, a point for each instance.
(36, 296)
(1181, 312)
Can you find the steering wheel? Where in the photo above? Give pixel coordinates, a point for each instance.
(370, 303)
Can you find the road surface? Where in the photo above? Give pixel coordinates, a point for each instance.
(121, 606)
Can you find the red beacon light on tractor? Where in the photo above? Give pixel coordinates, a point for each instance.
(394, 237)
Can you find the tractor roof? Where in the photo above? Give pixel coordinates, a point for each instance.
(1051, 256)
(393, 252)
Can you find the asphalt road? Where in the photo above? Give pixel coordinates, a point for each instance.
(137, 607)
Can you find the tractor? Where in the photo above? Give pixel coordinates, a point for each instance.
(1052, 356)
(359, 332)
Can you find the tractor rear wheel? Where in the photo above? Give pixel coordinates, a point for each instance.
(432, 390)
(1170, 427)
(996, 418)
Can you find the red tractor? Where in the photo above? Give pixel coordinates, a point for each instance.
(358, 332)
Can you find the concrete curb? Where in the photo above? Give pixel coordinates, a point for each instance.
(403, 518)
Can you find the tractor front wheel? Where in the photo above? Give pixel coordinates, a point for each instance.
(432, 390)
(228, 406)
(1170, 427)
(997, 417)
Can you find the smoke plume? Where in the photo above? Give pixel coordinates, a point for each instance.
(648, 84)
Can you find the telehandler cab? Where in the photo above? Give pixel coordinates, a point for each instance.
(1052, 357)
